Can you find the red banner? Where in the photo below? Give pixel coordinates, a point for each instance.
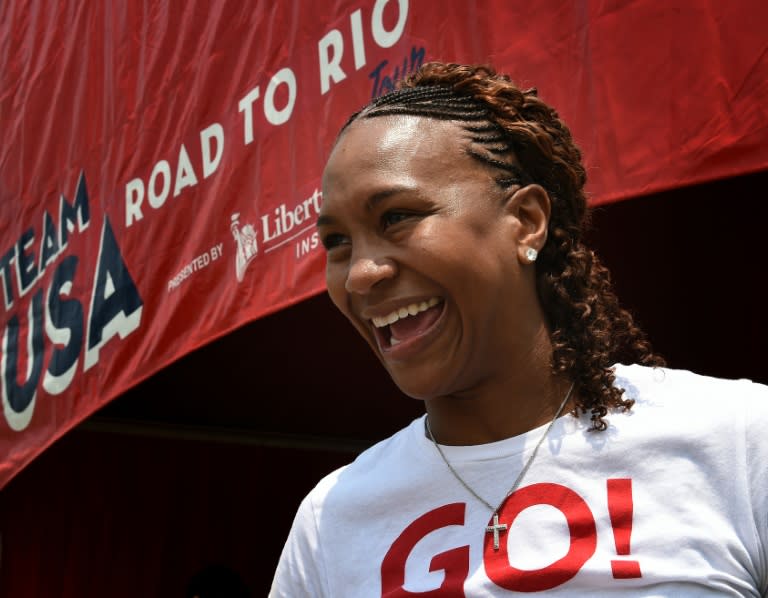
(160, 161)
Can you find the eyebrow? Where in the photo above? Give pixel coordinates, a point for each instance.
(370, 203)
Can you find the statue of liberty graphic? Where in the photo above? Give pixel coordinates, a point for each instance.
(247, 245)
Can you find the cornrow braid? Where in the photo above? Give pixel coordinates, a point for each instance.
(512, 130)
(442, 102)
(436, 102)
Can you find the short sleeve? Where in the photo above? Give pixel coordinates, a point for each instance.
(757, 470)
(300, 572)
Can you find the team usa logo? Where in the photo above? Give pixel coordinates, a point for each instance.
(66, 306)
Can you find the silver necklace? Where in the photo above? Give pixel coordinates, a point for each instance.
(499, 527)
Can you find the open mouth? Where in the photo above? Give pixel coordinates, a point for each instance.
(407, 323)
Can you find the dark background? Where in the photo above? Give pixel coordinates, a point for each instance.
(207, 461)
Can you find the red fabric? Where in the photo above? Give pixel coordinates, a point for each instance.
(102, 105)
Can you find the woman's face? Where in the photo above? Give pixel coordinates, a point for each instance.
(424, 255)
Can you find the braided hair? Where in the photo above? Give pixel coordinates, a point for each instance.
(524, 139)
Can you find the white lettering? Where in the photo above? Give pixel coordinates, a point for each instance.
(275, 116)
(384, 38)
(161, 168)
(307, 245)
(185, 174)
(215, 131)
(196, 264)
(245, 106)
(358, 43)
(134, 196)
(285, 219)
(330, 61)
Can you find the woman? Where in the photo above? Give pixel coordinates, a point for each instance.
(453, 216)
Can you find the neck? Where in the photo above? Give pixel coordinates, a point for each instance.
(517, 403)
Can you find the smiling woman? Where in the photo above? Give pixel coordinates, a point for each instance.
(405, 234)
(453, 215)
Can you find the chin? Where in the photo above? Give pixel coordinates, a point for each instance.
(418, 386)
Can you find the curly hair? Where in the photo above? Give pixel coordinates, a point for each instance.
(510, 126)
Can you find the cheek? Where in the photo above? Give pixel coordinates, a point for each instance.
(335, 279)
(334, 282)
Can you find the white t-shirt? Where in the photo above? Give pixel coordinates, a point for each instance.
(670, 500)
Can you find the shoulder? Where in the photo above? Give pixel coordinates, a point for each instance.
(671, 394)
(640, 382)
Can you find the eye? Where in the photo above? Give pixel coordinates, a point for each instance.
(333, 240)
(393, 217)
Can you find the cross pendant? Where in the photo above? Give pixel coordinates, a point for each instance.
(495, 529)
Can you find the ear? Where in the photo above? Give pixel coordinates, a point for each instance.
(531, 207)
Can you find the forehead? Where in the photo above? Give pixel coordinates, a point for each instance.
(380, 149)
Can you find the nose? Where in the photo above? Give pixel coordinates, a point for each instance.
(366, 272)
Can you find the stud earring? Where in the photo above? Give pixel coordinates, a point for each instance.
(531, 254)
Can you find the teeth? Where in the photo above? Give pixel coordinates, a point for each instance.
(404, 312)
